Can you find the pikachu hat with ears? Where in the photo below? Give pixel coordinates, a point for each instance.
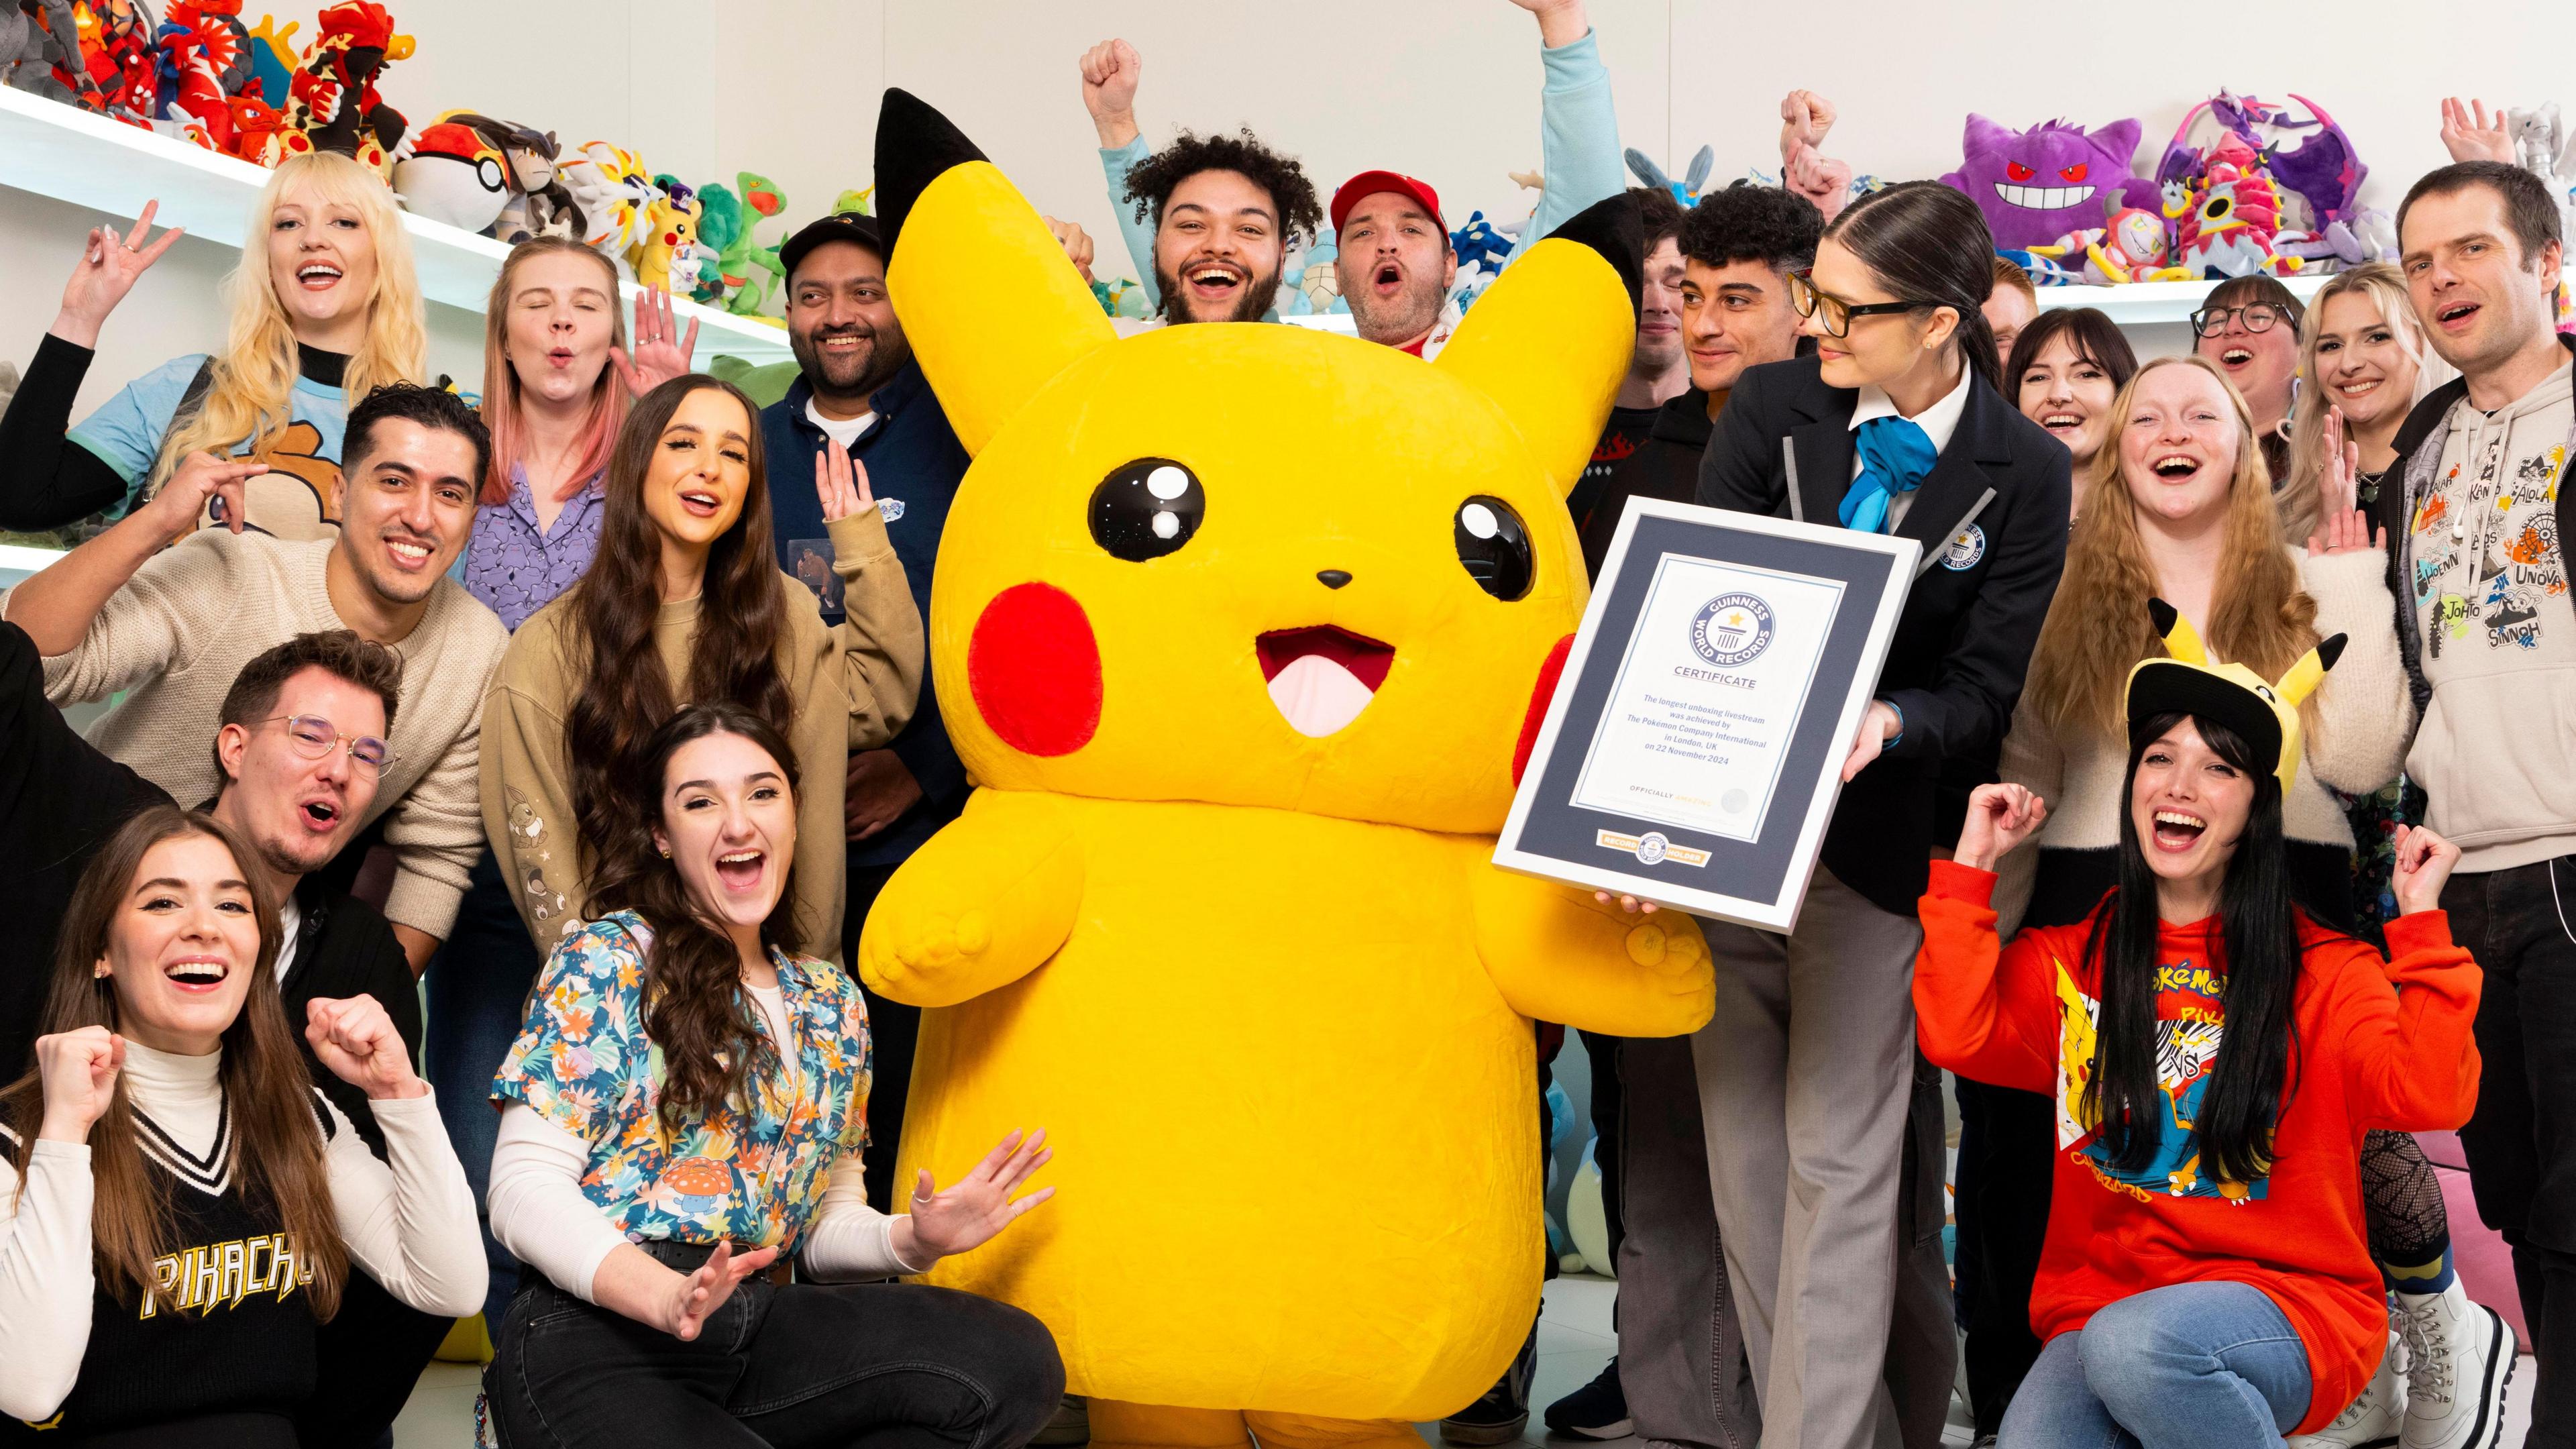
(2265, 714)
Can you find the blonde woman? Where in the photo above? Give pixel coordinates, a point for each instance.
(325, 307)
(2364, 365)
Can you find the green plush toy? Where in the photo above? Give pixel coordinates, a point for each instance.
(731, 278)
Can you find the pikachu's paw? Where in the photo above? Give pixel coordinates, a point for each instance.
(1676, 959)
(913, 952)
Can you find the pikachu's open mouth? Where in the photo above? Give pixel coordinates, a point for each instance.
(1322, 677)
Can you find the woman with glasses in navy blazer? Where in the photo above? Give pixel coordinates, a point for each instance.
(1894, 426)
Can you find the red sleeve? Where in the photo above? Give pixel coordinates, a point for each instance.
(1982, 1009)
(2410, 1055)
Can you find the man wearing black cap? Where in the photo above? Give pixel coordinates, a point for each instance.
(858, 386)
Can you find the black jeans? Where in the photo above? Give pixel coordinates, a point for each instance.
(2521, 1144)
(894, 1029)
(2007, 1153)
(864, 1365)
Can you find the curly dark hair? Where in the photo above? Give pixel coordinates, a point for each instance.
(1749, 223)
(1151, 183)
(434, 408)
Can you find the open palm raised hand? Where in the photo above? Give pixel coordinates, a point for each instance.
(968, 1212)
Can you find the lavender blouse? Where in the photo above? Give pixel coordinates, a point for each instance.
(517, 568)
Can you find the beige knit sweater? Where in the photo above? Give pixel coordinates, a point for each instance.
(852, 686)
(2355, 736)
(196, 612)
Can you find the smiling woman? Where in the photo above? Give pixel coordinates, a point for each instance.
(685, 603)
(323, 313)
(176, 1190)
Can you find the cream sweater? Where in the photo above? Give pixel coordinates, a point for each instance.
(408, 1221)
(852, 685)
(180, 630)
(2356, 730)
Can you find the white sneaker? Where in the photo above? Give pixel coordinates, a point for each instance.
(2371, 1421)
(2459, 1357)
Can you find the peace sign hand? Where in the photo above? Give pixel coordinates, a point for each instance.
(841, 482)
(976, 1206)
(660, 352)
(108, 268)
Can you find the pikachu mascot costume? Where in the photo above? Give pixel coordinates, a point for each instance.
(1241, 630)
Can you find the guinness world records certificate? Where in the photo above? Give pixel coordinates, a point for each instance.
(1692, 752)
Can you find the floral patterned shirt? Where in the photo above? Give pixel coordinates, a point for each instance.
(752, 1177)
(514, 566)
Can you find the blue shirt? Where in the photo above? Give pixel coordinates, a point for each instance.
(127, 429)
(914, 464)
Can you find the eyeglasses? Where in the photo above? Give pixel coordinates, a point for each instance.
(2259, 317)
(315, 739)
(1835, 313)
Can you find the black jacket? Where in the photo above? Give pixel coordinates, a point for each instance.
(1665, 465)
(1955, 668)
(60, 800)
(2393, 510)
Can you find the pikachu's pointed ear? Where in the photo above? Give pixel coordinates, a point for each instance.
(1549, 342)
(2181, 640)
(2303, 677)
(987, 298)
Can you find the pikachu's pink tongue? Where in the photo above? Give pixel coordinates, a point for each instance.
(1318, 696)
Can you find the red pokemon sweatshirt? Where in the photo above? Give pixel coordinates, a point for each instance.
(2380, 1044)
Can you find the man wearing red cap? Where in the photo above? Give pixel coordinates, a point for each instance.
(1394, 262)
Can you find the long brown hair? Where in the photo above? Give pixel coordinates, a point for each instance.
(692, 1010)
(2098, 625)
(277, 1146)
(501, 380)
(742, 616)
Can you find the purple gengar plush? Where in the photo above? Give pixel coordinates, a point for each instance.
(2037, 185)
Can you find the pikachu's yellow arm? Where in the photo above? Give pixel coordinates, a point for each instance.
(981, 905)
(1558, 955)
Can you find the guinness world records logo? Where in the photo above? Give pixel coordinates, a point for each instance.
(1731, 629)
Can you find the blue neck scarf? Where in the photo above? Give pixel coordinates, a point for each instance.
(1895, 454)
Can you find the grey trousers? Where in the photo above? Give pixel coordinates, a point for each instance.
(1805, 1075)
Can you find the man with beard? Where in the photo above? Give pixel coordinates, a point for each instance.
(167, 614)
(1168, 221)
(859, 389)
(1394, 262)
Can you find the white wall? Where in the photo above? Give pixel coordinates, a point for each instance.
(1446, 89)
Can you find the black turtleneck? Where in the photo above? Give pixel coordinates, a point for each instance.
(326, 368)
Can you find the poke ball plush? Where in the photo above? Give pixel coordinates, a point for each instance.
(453, 175)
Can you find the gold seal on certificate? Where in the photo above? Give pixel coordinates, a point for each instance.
(1691, 753)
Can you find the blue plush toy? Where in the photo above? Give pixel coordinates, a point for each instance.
(1687, 190)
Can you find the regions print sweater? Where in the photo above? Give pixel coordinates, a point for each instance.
(2379, 1044)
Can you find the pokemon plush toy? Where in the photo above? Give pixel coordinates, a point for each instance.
(450, 173)
(729, 276)
(667, 251)
(536, 202)
(612, 188)
(40, 50)
(2037, 185)
(333, 105)
(1686, 191)
(203, 57)
(1236, 627)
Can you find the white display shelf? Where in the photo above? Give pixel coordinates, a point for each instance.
(69, 154)
(2145, 304)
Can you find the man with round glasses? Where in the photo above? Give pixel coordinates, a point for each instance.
(167, 614)
(2250, 328)
(298, 748)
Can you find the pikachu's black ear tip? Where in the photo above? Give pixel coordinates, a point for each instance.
(2164, 616)
(2330, 650)
(915, 143)
(1616, 228)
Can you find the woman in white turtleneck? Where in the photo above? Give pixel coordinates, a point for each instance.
(178, 1206)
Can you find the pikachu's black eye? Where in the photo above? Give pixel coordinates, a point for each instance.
(1494, 547)
(1146, 509)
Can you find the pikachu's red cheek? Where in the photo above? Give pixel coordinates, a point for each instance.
(1035, 670)
(1542, 694)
